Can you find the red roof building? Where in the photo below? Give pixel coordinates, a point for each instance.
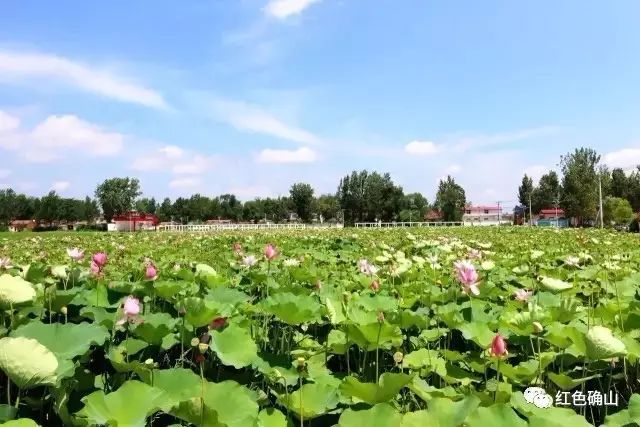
(551, 213)
(132, 221)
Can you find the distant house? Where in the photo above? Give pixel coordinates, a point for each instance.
(133, 221)
(552, 217)
(433, 215)
(22, 224)
(485, 215)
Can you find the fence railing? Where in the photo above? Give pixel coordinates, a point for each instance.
(222, 227)
(407, 224)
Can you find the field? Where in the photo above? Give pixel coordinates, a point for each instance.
(323, 328)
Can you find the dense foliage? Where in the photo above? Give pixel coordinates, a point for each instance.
(383, 328)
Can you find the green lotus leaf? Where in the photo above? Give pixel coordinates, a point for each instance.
(477, 332)
(208, 276)
(388, 387)
(27, 362)
(178, 383)
(601, 344)
(312, 400)
(234, 346)
(7, 412)
(198, 312)
(626, 417)
(168, 289)
(20, 422)
(555, 285)
(381, 415)
(449, 413)
(293, 309)
(226, 404)
(59, 271)
(557, 417)
(374, 335)
(65, 340)
(498, 415)
(425, 358)
(15, 291)
(155, 327)
(129, 405)
(271, 417)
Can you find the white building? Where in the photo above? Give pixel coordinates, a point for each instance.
(484, 215)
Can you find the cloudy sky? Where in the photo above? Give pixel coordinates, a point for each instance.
(249, 96)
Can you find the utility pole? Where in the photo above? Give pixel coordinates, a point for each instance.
(530, 214)
(600, 191)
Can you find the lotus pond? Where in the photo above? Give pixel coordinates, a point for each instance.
(348, 328)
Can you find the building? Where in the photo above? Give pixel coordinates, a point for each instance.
(22, 225)
(133, 221)
(552, 217)
(485, 215)
(434, 215)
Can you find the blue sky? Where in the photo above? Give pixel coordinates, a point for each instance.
(249, 96)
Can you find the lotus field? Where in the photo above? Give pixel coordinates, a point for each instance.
(348, 328)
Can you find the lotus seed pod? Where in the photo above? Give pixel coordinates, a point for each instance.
(149, 362)
(195, 342)
(397, 357)
(380, 317)
(301, 362)
(203, 347)
(537, 327)
(64, 310)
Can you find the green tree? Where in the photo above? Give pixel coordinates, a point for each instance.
(351, 195)
(165, 210)
(619, 183)
(633, 189)
(547, 193)
(525, 194)
(413, 208)
(50, 208)
(580, 184)
(90, 210)
(617, 211)
(231, 207)
(302, 200)
(328, 207)
(146, 205)
(450, 199)
(116, 195)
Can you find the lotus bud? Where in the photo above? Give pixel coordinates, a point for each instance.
(195, 342)
(397, 357)
(64, 310)
(380, 317)
(537, 327)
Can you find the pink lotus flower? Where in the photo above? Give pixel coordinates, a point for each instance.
(218, 323)
(375, 286)
(366, 268)
(522, 295)
(95, 269)
(499, 346)
(130, 311)
(5, 263)
(474, 254)
(270, 252)
(151, 272)
(75, 254)
(100, 259)
(467, 276)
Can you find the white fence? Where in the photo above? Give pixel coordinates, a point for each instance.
(407, 224)
(222, 227)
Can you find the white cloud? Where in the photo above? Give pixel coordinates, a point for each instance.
(185, 183)
(421, 148)
(174, 159)
(626, 158)
(60, 186)
(56, 136)
(452, 169)
(250, 118)
(21, 66)
(4, 173)
(282, 9)
(535, 172)
(251, 192)
(463, 142)
(301, 155)
(8, 122)
(62, 132)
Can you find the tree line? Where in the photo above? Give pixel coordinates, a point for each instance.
(577, 190)
(361, 196)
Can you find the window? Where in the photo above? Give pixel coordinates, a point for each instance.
(486, 211)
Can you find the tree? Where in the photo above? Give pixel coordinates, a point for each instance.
(165, 210)
(327, 206)
(50, 208)
(617, 211)
(231, 207)
(116, 195)
(580, 184)
(302, 199)
(90, 209)
(450, 200)
(525, 193)
(619, 183)
(547, 194)
(351, 195)
(633, 189)
(413, 207)
(146, 205)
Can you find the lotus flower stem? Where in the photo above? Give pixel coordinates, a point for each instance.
(18, 399)
(378, 352)
(301, 406)
(8, 391)
(495, 393)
